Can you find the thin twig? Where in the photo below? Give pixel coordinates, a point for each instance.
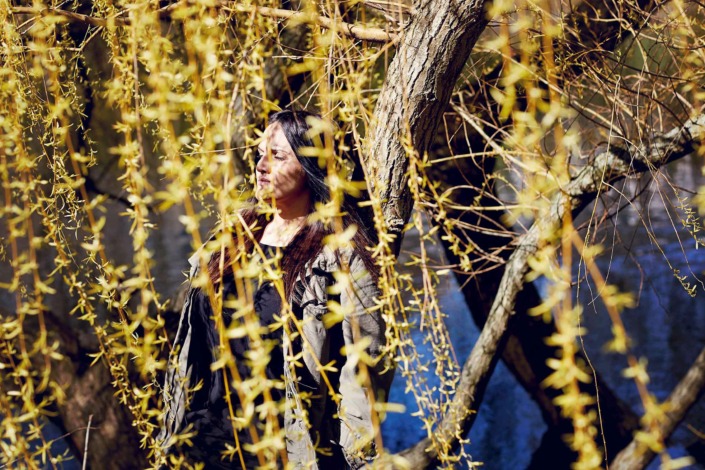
(356, 31)
(91, 20)
(85, 446)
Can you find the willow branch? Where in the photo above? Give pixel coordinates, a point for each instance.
(605, 169)
(356, 31)
(70, 15)
(689, 389)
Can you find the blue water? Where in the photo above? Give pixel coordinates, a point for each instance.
(508, 427)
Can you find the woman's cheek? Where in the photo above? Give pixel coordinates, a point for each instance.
(300, 177)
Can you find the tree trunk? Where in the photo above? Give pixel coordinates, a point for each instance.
(430, 56)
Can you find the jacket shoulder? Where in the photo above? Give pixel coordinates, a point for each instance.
(329, 260)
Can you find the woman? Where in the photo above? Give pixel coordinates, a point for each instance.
(328, 422)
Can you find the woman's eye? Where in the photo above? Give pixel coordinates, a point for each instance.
(275, 155)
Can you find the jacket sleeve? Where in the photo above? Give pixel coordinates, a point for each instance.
(180, 374)
(176, 381)
(363, 381)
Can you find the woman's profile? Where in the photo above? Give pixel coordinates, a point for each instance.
(326, 404)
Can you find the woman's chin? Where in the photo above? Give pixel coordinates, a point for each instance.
(264, 194)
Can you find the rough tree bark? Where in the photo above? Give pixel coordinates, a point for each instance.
(427, 60)
(89, 392)
(594, 34)
(431, 53)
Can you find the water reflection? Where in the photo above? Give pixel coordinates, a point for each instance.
(668, 325)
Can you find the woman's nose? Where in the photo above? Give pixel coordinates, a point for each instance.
(263, 163)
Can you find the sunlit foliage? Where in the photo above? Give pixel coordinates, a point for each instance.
(117, 113)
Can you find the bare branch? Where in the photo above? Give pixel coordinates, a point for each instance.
(617, 162)
(85, 448)
(77, 17)
(686, 393)
(356, 31)
(605, 169)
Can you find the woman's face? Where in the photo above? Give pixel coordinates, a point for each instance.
(279, 173)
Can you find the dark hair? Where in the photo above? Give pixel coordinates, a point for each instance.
(308, 242)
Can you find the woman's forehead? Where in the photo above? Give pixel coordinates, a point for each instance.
(274, 138)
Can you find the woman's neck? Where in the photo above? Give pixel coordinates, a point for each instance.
(283, 228)
(290, 216)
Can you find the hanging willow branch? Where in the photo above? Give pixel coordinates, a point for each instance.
(172, 88)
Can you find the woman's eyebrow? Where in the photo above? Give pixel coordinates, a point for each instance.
(272, 149)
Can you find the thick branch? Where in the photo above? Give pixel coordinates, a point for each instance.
(689, 389)
(617, 162)
(429, 59)
(483, 358)
(69, 15)
(356, 31)
(605, 169)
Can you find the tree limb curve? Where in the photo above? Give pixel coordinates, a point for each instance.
(430, 55)
(684, 396)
